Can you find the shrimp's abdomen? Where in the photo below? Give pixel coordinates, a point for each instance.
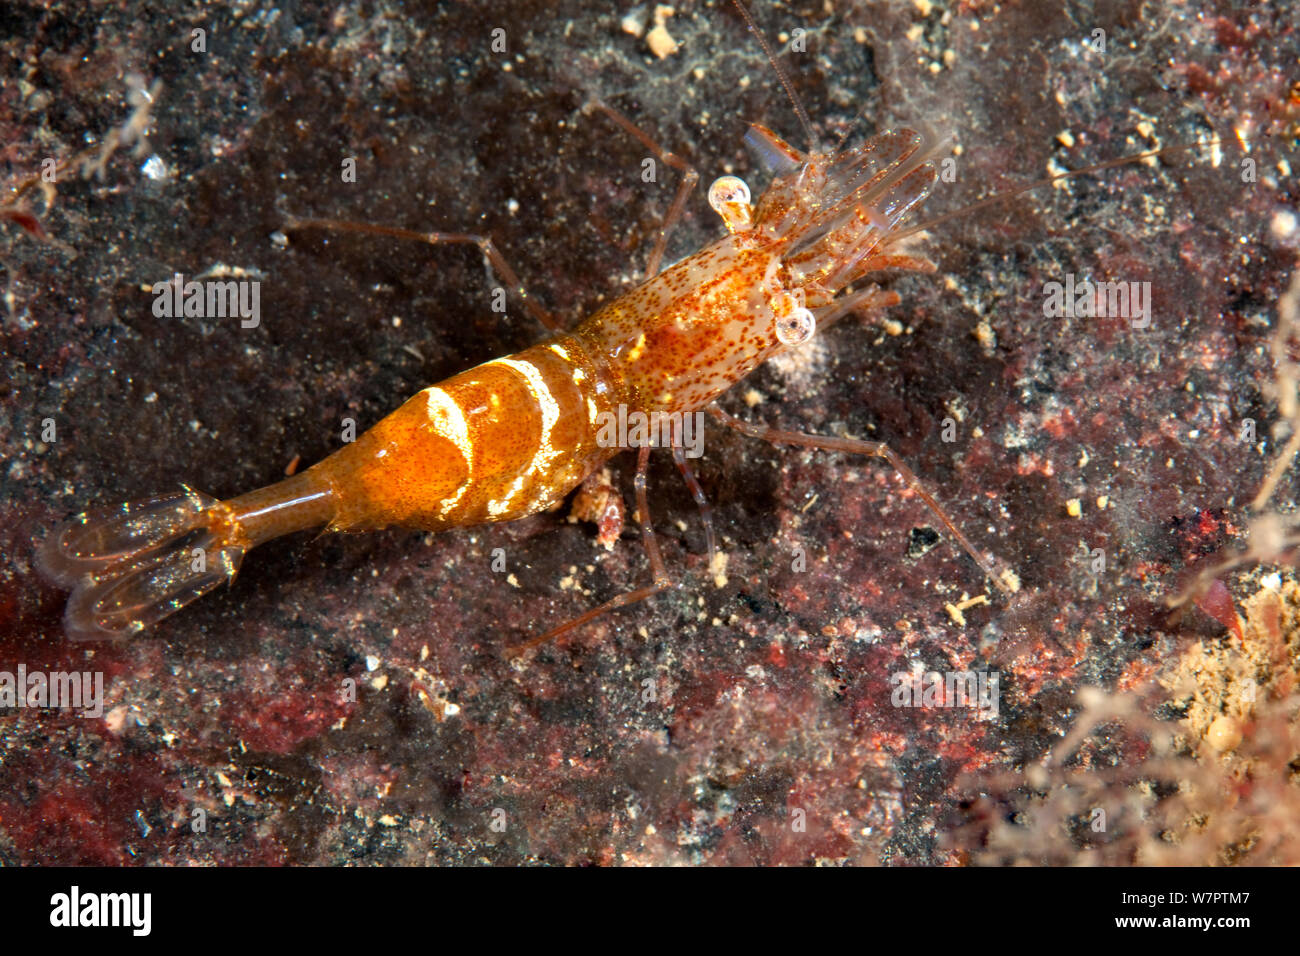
(500, 441)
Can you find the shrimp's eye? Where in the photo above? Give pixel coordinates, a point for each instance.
(795, 323)
(729, 197)
(728, 189)
(797, 327)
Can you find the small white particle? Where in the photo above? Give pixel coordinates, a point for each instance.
(1283, 225)
(154, 168)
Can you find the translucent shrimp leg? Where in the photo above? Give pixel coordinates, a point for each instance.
(689, 178)
(662, 581)
(874, 449)
(701, 500)
(484, 243)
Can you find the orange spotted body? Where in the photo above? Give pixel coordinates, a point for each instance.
(513, 436)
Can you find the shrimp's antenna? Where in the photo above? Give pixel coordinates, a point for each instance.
(1038, 184)
(799, 111)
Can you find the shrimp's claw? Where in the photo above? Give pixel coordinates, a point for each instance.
(132, 565)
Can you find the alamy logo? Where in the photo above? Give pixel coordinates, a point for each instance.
(209, 299)
(68, 690)
(75, 908)
(944, 689)
(632, 429)
(1086, 299)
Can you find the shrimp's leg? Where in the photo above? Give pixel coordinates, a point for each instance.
(894, 262)
(689, 178)
(701, 502)
(485, 244)
(662, 581)
(875, 449)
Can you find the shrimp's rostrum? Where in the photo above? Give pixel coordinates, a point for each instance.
(513, 436)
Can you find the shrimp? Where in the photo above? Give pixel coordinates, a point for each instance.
(514, 436)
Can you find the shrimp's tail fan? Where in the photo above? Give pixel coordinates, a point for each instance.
(132, 565)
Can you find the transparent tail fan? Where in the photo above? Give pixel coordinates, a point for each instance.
(132, 565)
